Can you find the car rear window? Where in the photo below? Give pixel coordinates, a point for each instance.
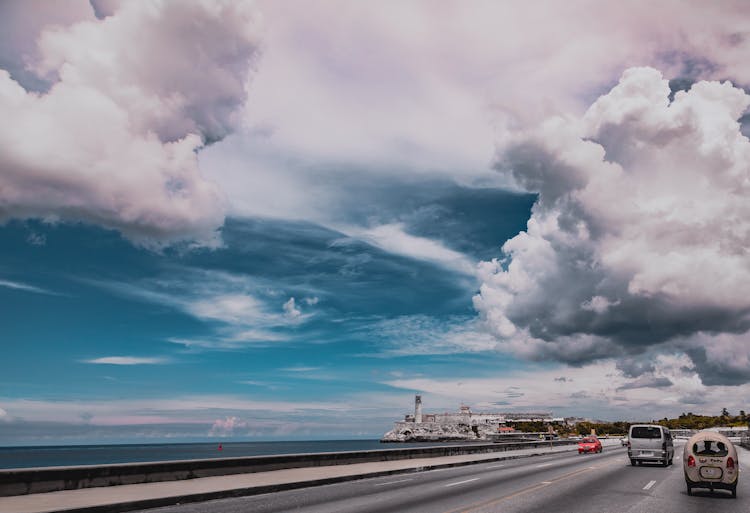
(645, 432)
(710, 448)
(589, 441)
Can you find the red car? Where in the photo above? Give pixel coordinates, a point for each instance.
(589, 444)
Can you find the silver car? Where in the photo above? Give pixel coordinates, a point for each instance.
(650, 443)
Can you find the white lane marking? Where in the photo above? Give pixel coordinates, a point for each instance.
(649, 485)
(544, 465)
(496, 466)
(462, 482)
(392, 482)
(441, 469)
(546, 482)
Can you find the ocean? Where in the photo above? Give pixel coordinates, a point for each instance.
(67, 455)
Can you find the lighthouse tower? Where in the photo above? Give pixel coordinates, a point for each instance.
(418, 409)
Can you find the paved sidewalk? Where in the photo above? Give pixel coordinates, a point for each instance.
(151, 495)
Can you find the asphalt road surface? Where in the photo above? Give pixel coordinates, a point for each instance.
(568, 482)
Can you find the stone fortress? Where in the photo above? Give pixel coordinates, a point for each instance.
(457, 426)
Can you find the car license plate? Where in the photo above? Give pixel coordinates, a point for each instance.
(647, 453)
(711, 472)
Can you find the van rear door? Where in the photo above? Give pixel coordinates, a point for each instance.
(646, 441)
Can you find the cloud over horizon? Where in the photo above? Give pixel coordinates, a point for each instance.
(639, 235)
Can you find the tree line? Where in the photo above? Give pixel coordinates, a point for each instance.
(687, 420)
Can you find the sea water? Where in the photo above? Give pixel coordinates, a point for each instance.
(53, 456)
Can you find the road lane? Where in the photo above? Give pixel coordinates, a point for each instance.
(425, 492)
(592, 483)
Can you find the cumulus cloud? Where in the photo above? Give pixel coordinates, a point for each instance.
(291, 311)
(226, 426)
(133, 98)
(596, 389)
(640, 232)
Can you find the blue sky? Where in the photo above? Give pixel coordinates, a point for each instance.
(249, 220)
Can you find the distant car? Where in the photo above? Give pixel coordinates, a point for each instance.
(589, 444)
(624, 440)
(650, 443)
(710, 461)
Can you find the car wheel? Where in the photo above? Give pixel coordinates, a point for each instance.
(734, 492)
(690, 490)
(665, 462)
(632, 462)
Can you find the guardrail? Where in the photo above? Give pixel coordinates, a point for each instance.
(49, 479)
(745, 440)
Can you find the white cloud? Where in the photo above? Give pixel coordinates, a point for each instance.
(189, 408)
(299, 369)
(241, 309)
(291, 311)
(394, 239)
(36, 239)
(598, 390)
(226, 426)
(25, 287)
(134, 97)
(638, 234)
(424, 335)
(233, 339)
(598, 304)
(127, 360)
(438, 87)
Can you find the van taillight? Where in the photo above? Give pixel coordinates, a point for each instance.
(628, 444)
(664, 445)
(730, 462)
(691, 461)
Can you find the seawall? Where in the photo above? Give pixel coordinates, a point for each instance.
(38, 480)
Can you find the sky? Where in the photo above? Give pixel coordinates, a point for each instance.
(280, 220)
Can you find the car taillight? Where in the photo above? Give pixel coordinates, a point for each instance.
(664, 445)
(628, 444)
(730, 462)
(691, 461)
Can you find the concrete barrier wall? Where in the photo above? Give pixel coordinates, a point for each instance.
(49, 479)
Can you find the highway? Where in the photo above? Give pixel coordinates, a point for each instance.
(568, 482)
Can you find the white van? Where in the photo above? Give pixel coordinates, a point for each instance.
(650, 443)
(710, 461)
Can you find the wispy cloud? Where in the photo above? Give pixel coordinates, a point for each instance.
(230, 341)
(241, 309)
(426, 335)
(127, 360)
(393, 238)
(26, 287)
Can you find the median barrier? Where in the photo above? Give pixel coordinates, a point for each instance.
(50, 479)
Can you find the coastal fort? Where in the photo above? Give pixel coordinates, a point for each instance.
(457, 426)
